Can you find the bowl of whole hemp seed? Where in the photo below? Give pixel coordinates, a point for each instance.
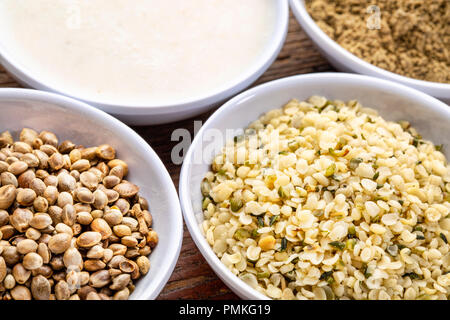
(87, 209)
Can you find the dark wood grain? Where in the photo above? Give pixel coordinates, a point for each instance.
(192, 277)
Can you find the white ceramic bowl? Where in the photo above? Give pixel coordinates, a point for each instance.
(393, 101)
(343, 60)
(157, 114)
(82, 124)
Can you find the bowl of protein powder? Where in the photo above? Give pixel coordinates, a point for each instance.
(145, 61)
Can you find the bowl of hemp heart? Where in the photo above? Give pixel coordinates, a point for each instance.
(404, 41)
(269, 211)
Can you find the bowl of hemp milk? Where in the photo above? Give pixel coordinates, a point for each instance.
(145, 61)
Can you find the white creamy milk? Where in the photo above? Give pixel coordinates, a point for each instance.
(142, 52)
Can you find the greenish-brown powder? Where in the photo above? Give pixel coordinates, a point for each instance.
(411, 37)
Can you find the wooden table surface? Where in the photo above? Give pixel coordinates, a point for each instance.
(192, 277)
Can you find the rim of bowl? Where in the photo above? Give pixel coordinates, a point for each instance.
(264, 61)
(323, 40)
(126, 133)
(185, 200)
